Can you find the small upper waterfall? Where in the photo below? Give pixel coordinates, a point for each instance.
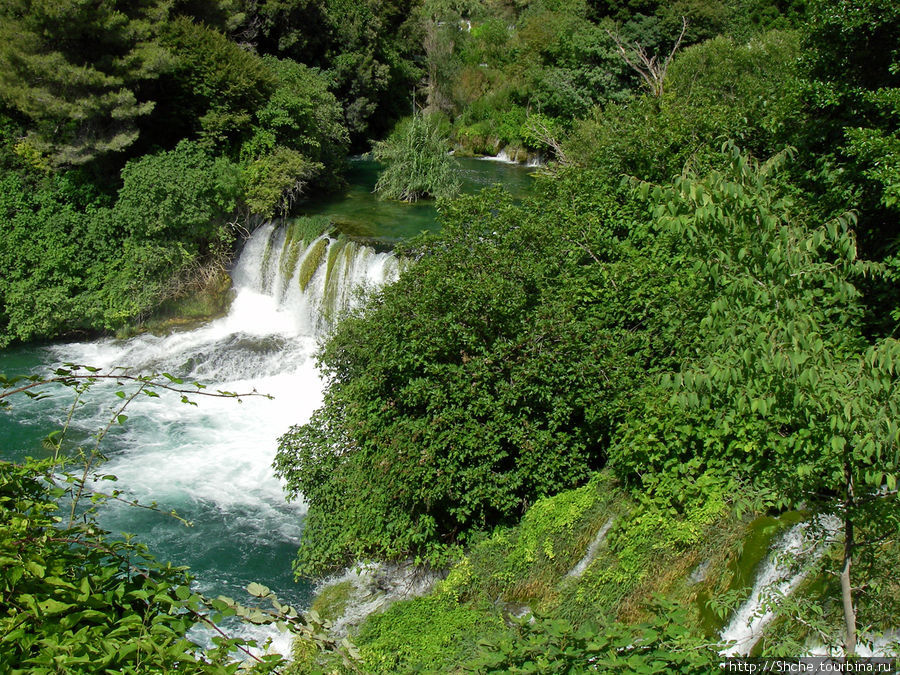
(591, 552)
(311, 279)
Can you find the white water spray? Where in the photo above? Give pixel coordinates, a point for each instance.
(375, 586)
(213, 462)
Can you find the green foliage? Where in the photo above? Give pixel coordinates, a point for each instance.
(75, 70)
(783, 322)
(220, 85)
(417, 163)
(715, 91)
(803, 404)
(73, 262)
(431, 634)
(301, 114)
(74, 600)
(47, 248)
(365, 46)
(851, 129)
(274, 181)
(178, 196)
(662, 644)
(298, 137)
(491, 374)
(576, 65)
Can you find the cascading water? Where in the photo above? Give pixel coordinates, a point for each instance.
(212, 462)
(591, 552)
(784, 569)
(309, 283)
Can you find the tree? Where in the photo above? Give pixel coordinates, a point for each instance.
(650, 68)
(298, 138)
(803, 405)
(851, 129)
(214, 86)
(181, 196)
(75, 69)
(364, 46)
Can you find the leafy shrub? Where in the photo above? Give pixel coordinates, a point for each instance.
(182, 195)
(417, 163)
(662, 644)
(274, 181)
(220, 85)
(493, 373)
(430, 634)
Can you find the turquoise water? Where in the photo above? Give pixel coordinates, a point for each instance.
(212, 462)
(359, 212)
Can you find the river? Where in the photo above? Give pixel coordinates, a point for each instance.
(211, 462)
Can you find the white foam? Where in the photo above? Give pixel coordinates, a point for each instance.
(783, 570)
(502, 157)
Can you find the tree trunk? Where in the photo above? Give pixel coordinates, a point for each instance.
(846, 588)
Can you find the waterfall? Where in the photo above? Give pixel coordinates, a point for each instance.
(376, 586)
(591, 552)
(502, 156)
(783, 570)
(212, 462)
(312, 282)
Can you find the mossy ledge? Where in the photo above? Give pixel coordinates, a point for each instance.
(632, 551)
(196, 304)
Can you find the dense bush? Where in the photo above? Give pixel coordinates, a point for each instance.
(662, 644)
(417, 161)
(74, 262)
(715, 91)
(493, 373)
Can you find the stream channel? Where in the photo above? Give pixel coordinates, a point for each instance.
(212, 462)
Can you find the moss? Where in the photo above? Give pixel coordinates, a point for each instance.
(311, 262)
(425, 635)
(331, 602)
(266, 264)
(340, 256)
(522, 564)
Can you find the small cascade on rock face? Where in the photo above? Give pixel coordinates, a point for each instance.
(786, 566)
(502, 156)
(591, 552)
(375, 586)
